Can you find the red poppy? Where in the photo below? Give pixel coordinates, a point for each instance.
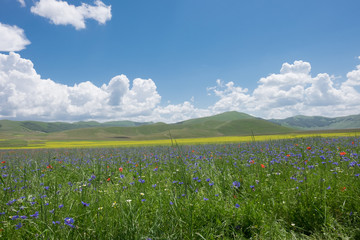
(352, 143)
(343, 189)
(3, 162)
(262, 165)
(288, 155)
(308, 148)
(120, 169)
(108, 179)
(252, 161)
(49, 166)
(343, 153)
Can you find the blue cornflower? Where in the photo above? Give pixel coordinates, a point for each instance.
(143, 200)
(154, 185)
(171, 203)
(35, 215)
(85, 204)
(23, 217)
(61, 205)
(211, 184)
(69, 221)
(237, 205)
(205, 199)
(15, 217)
(236, 184)
(328, 187)
(17, 226)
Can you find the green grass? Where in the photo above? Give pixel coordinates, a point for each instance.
(304, 188)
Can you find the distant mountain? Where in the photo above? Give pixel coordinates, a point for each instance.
(319, 123)
(49, 127)
(225, 124)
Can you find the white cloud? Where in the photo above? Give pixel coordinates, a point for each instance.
(22, 3)
(25, 95)
(12, 38)
(62, 13)
(291, 92)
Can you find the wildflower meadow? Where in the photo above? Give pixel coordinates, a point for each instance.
(303, 188)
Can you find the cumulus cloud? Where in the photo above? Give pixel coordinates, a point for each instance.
(25, 95)
(12, 38)
(62, 13)
(22, 3)
(291, 92)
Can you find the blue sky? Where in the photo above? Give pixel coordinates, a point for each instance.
(78, 60)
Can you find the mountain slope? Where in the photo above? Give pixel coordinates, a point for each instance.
(49, 127)
(319, 123)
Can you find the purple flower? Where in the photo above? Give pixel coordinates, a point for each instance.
(236, 184)
(328, 187)
(18, 225)
(85, 204)
(143, 200)
(35, 215)
(61, 205)
(205, 199)
(69, 221)
(237, 205)
(171, 203)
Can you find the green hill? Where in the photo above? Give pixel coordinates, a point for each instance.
(49, 127)
(319, 123)
(226, 124)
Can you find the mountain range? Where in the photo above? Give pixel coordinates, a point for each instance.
(224, 124)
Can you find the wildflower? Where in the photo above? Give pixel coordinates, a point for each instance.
(113, 204)
(262, 165)
(205, 199)
(237, 205)
(35, 215)
(211, 184)
(129, 200)
(85, 204)
(23, 217)
(328, 188)
(343, 189)
(342, 153)
(120, 169)
(61, 205)
(3, 162)
(18, 225)
(236, 184)
(69, 221)
(308, 148)
(108, 180)
(142, 194)
(154, 185)
(171, 203)
(49, 166)
(143, 200)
